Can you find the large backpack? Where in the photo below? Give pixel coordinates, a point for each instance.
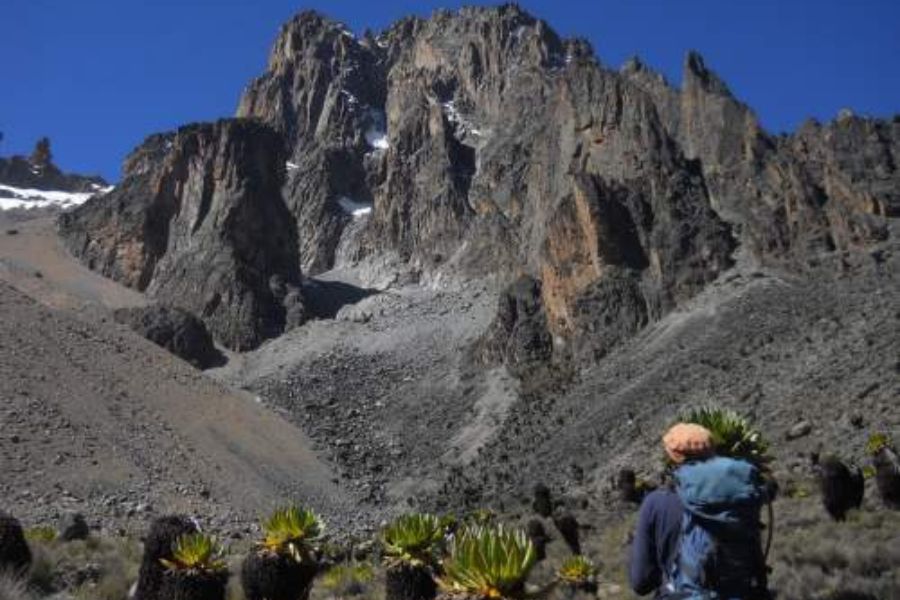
(720, 555)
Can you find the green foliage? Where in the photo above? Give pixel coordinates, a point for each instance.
(347, 576)
(877, 442)
(480, 517)
(413, 539)
(732, 434)
(292, 530)
(797, 491)
(449, 522)
(577, 570)
(196, 553)
(41, 533)
(490, 562)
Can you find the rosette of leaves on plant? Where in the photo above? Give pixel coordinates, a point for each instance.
(885, 467)
(578, 572)
(411, 547)
(489, 563)
(733, 435)
(283, 564)
(196, 569)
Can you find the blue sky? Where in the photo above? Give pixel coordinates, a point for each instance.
(98, 76)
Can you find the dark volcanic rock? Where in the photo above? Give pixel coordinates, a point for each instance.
(481, 143)
(178, 331)
(73, 527)
(519, 336)
(38, 172)
(820, 189)
(323, 91)
(199, 223)
(504, 146)
(15, 556)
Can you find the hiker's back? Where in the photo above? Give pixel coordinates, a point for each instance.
(720, 554)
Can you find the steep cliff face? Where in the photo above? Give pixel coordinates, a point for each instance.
(324, 92)
(480, 143)
(198, 222)
(490, 145)
(821, 189)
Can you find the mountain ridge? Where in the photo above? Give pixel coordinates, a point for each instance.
(463, 257)
(609, 187)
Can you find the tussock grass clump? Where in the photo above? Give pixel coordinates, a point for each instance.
(488, 562)
(817, 559)
(60, 565)
(348, 579)
(13, 587)
(41, 533)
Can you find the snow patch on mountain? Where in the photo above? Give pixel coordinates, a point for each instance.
(354, 208)
(13, 197)
(463, 126)
(376, 133)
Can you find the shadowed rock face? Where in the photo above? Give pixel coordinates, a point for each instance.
(179, 332)
(481, 143)
(199, 223)
(505, 147)
(823, 188)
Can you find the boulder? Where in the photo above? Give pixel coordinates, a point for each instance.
(176, 330)
(73, 527)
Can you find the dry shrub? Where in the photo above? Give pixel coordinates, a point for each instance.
(98, 568)
(817, 559)
(356, 581)
(13, 588)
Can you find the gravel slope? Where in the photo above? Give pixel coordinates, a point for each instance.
(97, 419)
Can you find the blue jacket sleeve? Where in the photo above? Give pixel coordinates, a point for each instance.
(643, 572)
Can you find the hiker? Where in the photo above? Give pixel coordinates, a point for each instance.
(701, 539)
(658, 531)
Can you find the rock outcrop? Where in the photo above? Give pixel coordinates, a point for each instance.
(199, 223)
(480, 143)
(501, 146)
(40, 173)
(178, 331)
(821, 189)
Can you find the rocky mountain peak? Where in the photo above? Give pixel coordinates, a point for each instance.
(695, 73)
(479, 143)
(308, 33)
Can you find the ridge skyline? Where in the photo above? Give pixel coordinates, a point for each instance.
(139, 101)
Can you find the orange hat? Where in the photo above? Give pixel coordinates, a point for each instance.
(687, 440)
